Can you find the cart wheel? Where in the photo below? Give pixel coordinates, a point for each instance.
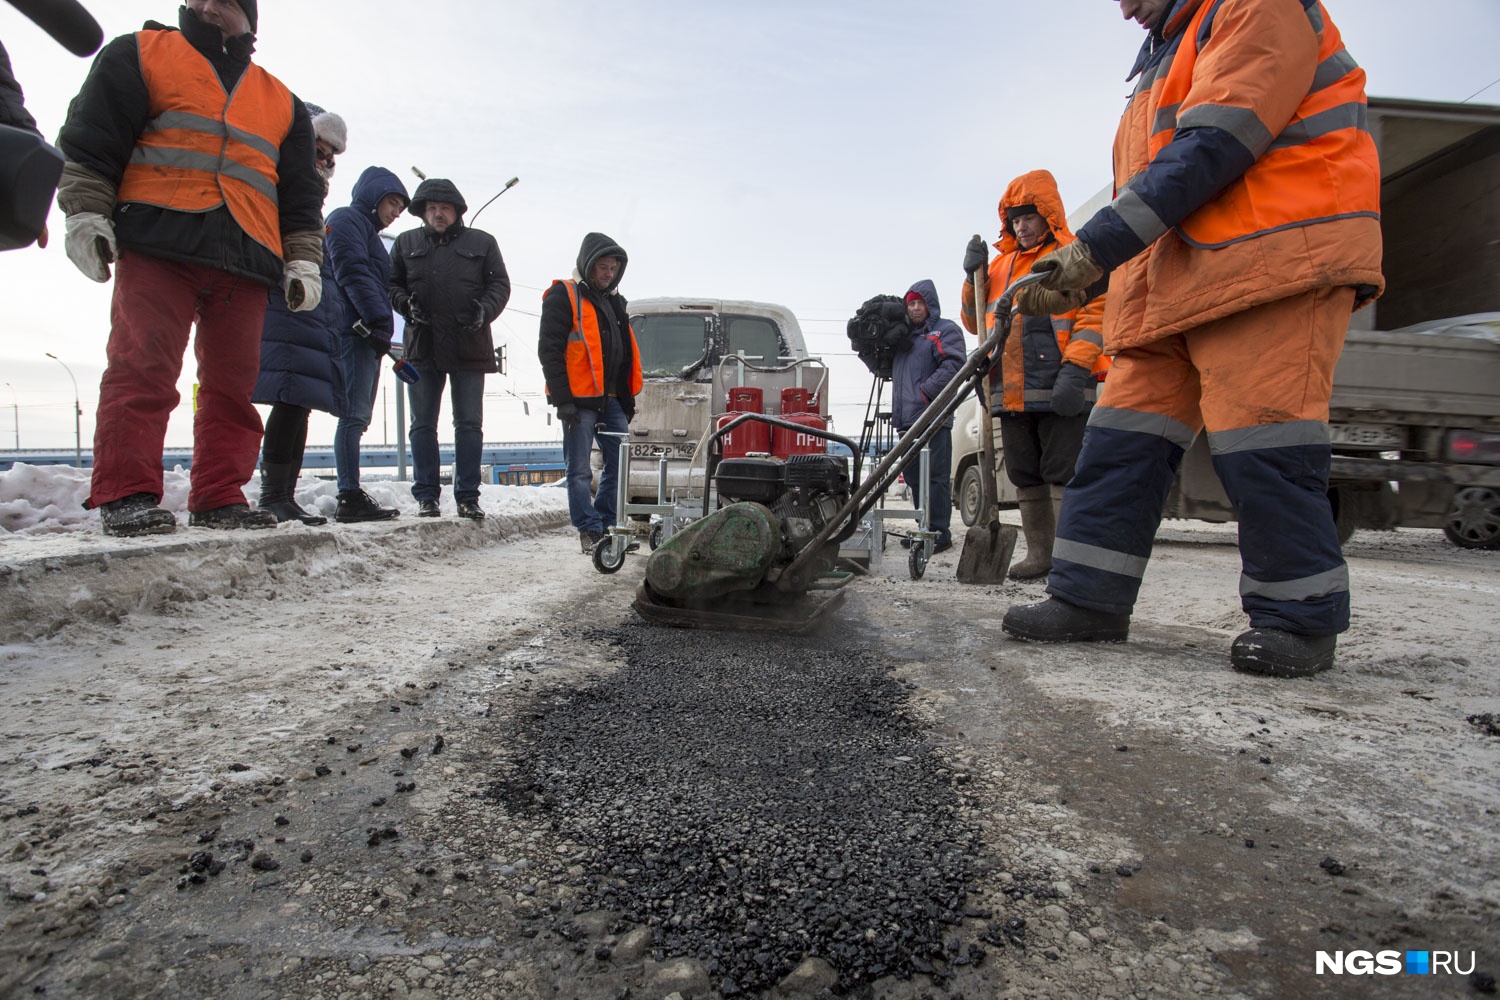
(654, 539)
(605, 560)
(916, 561)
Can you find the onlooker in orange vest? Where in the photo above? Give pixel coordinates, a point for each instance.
(1245, 227)
(190, 168)
(1044, 382)
(593, 371)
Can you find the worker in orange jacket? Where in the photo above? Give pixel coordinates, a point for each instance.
(1245, 228)
(190, 169)
(1045, 382)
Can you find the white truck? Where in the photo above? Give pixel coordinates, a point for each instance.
(1415, 413)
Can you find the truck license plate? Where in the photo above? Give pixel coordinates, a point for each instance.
(658, 450)
(1366, 435)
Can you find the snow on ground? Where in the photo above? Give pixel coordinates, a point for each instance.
(42, 513)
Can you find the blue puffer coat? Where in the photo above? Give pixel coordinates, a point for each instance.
(936, 355)
(360, 262)
(297, 351)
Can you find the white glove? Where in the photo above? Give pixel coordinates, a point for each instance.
(90, 243)
(303, 285)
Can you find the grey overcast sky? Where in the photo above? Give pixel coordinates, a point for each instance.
(810, 153)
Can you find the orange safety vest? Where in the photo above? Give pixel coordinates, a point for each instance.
(203, 147)
(1323, 166)
(585, 351)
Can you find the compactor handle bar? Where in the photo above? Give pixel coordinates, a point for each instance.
(974, 368)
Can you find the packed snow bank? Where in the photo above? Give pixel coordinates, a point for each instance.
(57, 568)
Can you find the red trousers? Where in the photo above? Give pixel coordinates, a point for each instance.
(155, 304)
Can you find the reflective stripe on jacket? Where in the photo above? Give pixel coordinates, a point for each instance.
(585, 350)
(1244, 171)
(1037, 346)
(203, 148)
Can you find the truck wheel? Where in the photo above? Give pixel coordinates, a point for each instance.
(969, 494)
(1473, 520)
(1344, 516)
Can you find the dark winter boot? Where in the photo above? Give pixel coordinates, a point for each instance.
(1040, 528)
(278, 486)
(137, 514)
(1055, 620)
(471, 510)
(429, 508)
(1272, 652)
(231, 516)
(356, 505)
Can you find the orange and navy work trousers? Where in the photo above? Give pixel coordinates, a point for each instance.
(1259, 383)
(155, 304)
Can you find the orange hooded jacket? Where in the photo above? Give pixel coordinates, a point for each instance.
(1032, 353)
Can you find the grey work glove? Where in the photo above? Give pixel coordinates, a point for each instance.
(1068, 399)
(303, 285)
(90, 244)
(976, 257)
(568, 414)
(1072, 268)
(476, 319)
(415, 315)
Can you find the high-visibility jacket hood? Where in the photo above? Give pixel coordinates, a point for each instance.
(1037, 188)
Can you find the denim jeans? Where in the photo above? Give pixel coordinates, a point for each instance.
(361, 366)
(467, 397)
(597, 513)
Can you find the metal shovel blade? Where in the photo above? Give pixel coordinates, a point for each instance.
(987, 552)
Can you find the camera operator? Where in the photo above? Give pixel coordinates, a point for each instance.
(933, 356)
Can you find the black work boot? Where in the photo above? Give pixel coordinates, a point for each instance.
(471, 510)
(1055, 620)
(356, 505)
(278, 486)
(231, 516)
(429, 508)
(1273, 652)
(137, 514)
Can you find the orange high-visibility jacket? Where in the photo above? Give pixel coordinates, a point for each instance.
(585, 351)
(1028, 363)
(202, 147)
(1304, 215)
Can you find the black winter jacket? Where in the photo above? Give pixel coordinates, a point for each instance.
(557, 324)
(447, 275)
(12, 102)
(108, 116)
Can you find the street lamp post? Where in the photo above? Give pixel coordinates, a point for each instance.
(77, 413)
(15, 409)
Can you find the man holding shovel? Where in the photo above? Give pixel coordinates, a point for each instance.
(1043, 386)
(1245, 227)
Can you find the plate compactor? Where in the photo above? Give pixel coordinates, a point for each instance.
(767, 559)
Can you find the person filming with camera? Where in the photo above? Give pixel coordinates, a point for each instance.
(918, 374)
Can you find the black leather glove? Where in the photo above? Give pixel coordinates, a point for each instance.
(476, 319)
(976, 256)
(568, 414)
(1068, 398)
(415, 315)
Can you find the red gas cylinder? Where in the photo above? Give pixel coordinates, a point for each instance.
(748, 437)
(795, 400)
(786, 442)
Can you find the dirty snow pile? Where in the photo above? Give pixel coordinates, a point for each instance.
(48, 499)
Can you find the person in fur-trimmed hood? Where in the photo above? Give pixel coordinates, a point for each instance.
(593, 370)
(450, 283)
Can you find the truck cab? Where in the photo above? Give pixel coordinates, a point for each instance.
(691, 350)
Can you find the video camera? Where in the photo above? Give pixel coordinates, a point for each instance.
(880, 331)
(29, 166)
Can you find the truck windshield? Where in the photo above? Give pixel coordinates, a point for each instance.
(668, 343)
(752, 336)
